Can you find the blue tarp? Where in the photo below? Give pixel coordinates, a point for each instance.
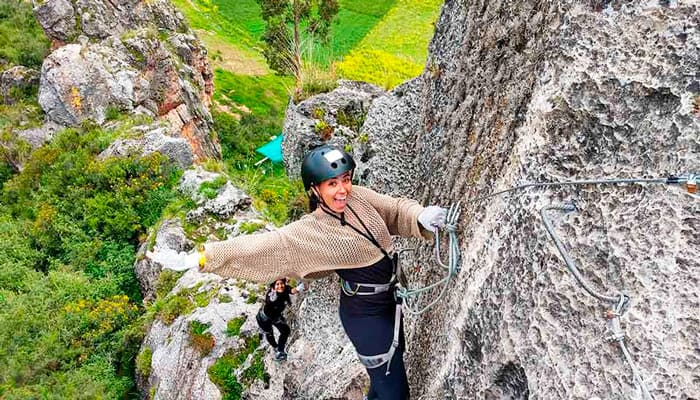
(272, 149)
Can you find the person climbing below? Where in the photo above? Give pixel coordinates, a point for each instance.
(348, 230)
(270, 314)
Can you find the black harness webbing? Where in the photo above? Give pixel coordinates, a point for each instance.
(377, 360)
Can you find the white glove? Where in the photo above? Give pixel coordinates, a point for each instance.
(432, 218)
(300, 287)
(173, 260)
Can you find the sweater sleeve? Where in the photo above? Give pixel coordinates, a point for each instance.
(399, 214)
(302, 249)
(259, 257)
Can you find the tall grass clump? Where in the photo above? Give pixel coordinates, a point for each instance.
(22, 41)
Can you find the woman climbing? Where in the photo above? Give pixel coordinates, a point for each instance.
(347, 231)
(270, 314)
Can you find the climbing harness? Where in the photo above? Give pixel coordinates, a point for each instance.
(371, 289)
(378, 360)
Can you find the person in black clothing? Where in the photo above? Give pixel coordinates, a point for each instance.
(270, 314)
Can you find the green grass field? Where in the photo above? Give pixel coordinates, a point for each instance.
(396, 48)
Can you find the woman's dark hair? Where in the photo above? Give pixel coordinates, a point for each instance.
(313, 201)
(272, 284)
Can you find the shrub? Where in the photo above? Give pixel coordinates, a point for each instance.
(171, 307)
(22, 41)
(223, 371)
(233, 327)
(252, 298)
(167, 279)
(249, 227)
(143, 362)
(210, 189)
(201, 340)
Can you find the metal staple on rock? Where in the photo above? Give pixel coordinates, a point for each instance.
(620, 302)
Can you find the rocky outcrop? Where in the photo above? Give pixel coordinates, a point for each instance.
(16, 82)
(36, 137)
(391, 134)
(170, 235)
(335, 117)
(519, 91)
(151, 139)
(131, 57)
(181, 358)
(190, 333)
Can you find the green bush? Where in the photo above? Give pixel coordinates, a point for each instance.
(233, 327)
(201, 340)
(223, 371)
(210, 189)
(171, 307)
(252, 298)
(69, 228)
(144, 361)
(167, 279)
(256, 370)
(249, 227)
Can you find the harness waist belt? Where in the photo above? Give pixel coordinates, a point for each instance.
(366, 289)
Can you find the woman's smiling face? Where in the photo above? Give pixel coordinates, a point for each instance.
(335, 191)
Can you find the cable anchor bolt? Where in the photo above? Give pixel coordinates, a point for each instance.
(614, 328)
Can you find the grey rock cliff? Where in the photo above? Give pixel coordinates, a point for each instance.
(335, 118)
(129, 57)
(526, 92)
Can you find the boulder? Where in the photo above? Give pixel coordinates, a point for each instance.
(170, 235)
(80, 82)
(155, 140)
(134, 57)
(192, 179)
(16, 82)
(335, 117)
(36, 137)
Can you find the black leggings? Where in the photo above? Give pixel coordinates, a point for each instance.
(373, 335)
(266, 324)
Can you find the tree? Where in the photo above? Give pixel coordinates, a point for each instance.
(284, 22)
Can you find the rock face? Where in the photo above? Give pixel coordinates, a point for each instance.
(519, 91)
(178, 366)
(170, 235)
(133, 56)
(334, 118)
(547, 92)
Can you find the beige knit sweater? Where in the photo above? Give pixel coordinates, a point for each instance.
(317, 243)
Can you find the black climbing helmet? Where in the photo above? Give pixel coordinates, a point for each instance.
(324, 162)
